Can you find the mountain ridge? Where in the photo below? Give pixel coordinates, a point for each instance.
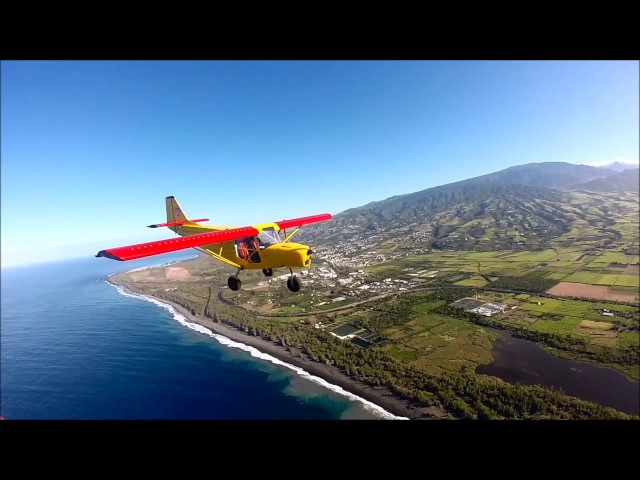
(521, 207)
(542, 174)
(625, 181)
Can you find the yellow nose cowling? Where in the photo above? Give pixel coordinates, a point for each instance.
(297, 255)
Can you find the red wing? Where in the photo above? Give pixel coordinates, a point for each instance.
(140, 250)
(298, 222)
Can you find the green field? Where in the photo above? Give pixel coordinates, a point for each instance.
(547, 305)
(565, 325)
(592, 278)
(385, 268)
(611, 257)
(437, 343)
(628, 281)
(531, 256)
(469, 268)
(425, 307)
(628, 339)
(556, 276)
(609, 306)
(290, 309)
(563, 316)
(596, 325)
(504, 264)
(472, 282)
(629, 230)
(402, 354)
(481, 255)
(388, 245)
(573, 308)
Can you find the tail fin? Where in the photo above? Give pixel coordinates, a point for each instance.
(174, 212)
(178, 223)
(176, 215)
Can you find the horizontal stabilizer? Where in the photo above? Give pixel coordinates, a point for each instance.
(173, 224)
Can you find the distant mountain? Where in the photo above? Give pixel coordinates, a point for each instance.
(625, 181)
(547, 174)
(512, 208)
(453, 214)
(618, 166)
(542, 175)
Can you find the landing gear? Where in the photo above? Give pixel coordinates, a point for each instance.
(294, 283)
(234, 283)
(268, 272)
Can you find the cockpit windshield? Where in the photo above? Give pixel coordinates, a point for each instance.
(269, 236)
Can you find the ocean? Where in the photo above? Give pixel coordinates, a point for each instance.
(74, 347)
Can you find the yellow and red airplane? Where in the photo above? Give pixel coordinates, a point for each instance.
(253, 247)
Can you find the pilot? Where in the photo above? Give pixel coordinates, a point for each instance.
(242, 251)
(255, 247)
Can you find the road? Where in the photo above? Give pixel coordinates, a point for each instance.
(379, 297)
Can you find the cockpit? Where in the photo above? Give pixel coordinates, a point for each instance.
(248, 248)
(267, 237)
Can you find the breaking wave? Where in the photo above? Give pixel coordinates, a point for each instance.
(370, 406)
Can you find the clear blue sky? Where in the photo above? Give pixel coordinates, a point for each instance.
(91, 149)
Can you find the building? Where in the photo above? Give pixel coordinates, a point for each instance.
(489, 309)
(345, 331)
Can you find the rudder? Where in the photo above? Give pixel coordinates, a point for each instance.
(175, 215)
(174, 212)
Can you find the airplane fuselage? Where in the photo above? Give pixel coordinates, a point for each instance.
(279, 255)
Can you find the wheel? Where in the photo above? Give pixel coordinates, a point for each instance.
(234, 283)
(294, 283)
(267, 272)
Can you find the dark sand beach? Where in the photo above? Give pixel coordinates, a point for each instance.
(380, 396)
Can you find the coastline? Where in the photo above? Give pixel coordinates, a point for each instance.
(388, 405)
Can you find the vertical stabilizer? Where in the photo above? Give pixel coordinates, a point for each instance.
(174, 212)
